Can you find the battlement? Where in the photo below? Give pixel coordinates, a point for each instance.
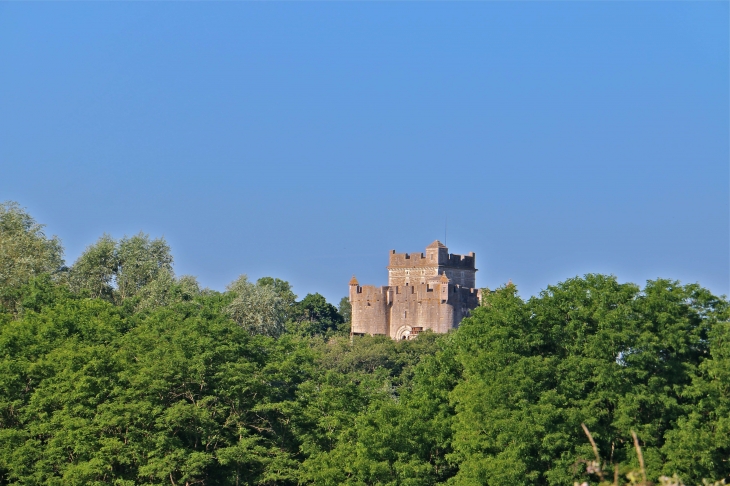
(462, 261)
(436, 254)
(409, 260)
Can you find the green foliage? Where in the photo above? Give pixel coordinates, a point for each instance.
(314, 316)
(181, 386)
(25, 253)
(282, 288)
(355, 425)
(284, 291)
(699, 446)
(95, 269)
(636, 476)
(118, 270)
(42, 291)
(258, 308)
(587, 350)
(180, 395)
(140, 260)
(166, 290)
(345, 309)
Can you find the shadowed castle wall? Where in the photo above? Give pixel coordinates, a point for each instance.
(369, 309)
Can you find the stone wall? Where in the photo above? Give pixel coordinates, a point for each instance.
(411, 275)
(369, 309)
(463, 277)
(424, 306)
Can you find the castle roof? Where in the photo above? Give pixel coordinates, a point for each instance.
(444, 278)
(436, 244)
(353, 281)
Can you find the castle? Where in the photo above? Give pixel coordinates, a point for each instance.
(435, 290)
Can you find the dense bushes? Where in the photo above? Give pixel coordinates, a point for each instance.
(177, 395)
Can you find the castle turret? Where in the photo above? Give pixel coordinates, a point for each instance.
(437, 253)
(354, 284)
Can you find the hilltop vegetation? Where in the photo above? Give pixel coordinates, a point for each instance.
(116, 371)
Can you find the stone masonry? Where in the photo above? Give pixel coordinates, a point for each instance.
(435, 290)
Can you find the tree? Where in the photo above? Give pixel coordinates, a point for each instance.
(588, 350)
(284, 291)
(345, 309)
(25, 252)
(315, 316)
(166, 290)
(257, 308)
(140, 260)
(698, 446)
(367, 420)
(91, 395)
(96, 268)
(117, 270)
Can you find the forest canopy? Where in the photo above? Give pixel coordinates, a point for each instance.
(114, 370)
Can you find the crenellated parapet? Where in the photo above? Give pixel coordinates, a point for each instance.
(467, 261)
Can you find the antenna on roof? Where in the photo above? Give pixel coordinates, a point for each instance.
(446, 225)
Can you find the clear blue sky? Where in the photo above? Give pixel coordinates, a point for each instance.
(306, 140)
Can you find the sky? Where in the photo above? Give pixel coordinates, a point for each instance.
(304, 141)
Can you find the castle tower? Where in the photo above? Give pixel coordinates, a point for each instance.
(432, 290)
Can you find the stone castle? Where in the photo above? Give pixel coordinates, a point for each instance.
(435, 290)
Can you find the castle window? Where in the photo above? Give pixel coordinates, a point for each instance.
(405, 314)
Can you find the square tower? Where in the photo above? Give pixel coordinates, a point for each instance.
(419, 268)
